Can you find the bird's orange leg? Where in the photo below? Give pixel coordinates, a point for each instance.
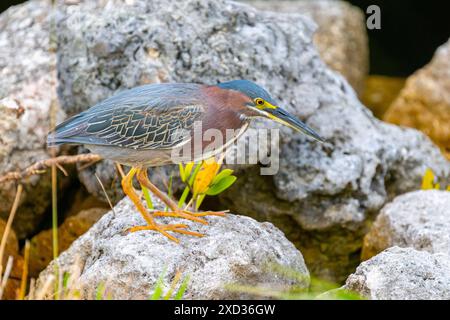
(127, 185)
(176, 212)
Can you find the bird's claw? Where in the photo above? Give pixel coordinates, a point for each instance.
(208, 213)
(163, 229)
(193, 216)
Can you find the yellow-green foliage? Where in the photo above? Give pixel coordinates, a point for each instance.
(429, 181)
(171, 294)
(318, 289)
(204, 179)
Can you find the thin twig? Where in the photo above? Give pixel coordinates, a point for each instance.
(104, 191)
(9, 225)
(74, 275)
(46, 286)
(87, 165)
(8, 269)
(189, 203)
(174, 283)
(120, 169)
(32, 289)
(40, 166)
(60, 167)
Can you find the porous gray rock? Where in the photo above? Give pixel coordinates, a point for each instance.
(27, 102)
(234, 250)
(324, 194)
(41, 245)
(403, 274)
(419, 219)
(341, 37)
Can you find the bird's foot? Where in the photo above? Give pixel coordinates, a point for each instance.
(163, 229)
(193, 216)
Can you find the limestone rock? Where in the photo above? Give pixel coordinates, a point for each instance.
(419, 219)
(424, 103)
(235, 249)
(27, 98)
(403, 274)
(341, 37)
(324, 195)
(73, 227)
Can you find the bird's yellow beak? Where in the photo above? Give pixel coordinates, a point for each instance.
(279, 115)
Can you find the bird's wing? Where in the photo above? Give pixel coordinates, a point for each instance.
(138, 119)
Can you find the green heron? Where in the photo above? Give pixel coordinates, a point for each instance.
(136, 127)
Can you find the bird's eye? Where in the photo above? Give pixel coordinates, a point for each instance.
(259, 102)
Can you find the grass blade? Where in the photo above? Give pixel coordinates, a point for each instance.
(23, 281)
(180, 293)
(159, 287)
(147, 197)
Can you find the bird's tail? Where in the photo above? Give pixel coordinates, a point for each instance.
(67, 132)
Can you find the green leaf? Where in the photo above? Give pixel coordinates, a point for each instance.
(183, 197)
(199, 201)
(198, 166)
(182, 289)
(221, 186)
(66, 278)
(100, 291)
(182, 172)
(224, 173)
(157, 294)
(147, 197)
(188, 170)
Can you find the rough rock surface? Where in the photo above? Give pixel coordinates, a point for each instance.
(73, 227)
(27, 96)
(419, 219)
(236, 249)
(341, 37)
(323, 194)
(424, 103)
(403, 274)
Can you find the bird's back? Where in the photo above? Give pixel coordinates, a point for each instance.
(140, 118)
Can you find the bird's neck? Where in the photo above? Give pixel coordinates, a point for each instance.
(224, 108)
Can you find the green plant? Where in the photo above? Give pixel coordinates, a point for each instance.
(316, 290)
(430, 181)
(159, 294)
(203, 180)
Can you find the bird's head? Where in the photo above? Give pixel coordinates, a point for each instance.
(263, 105)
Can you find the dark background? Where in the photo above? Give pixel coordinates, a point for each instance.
(410, 33)
(411, 30)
